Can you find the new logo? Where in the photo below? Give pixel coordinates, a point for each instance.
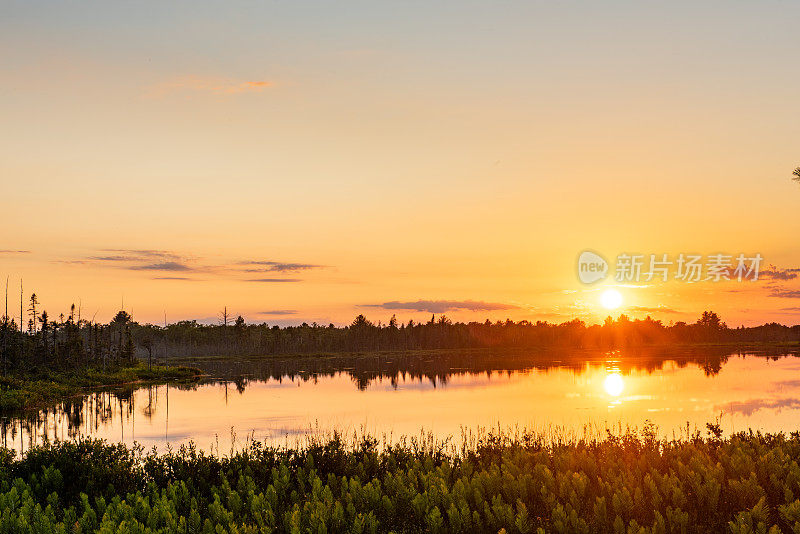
(592, 267)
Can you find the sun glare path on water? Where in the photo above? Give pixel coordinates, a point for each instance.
(613, 384)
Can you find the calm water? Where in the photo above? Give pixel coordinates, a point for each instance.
(280, 401)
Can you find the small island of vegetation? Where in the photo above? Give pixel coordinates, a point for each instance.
(39, 388)
(56, 359)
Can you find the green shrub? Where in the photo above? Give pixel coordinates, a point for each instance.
(524, 484)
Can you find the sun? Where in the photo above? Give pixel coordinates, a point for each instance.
(611, 299)
(614, 384)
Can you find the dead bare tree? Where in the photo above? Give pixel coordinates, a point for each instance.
(6, 326)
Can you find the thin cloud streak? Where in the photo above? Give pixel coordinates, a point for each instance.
(215, 86)
(784, 293)
(111, 258)
(656, 309)
(441, 306)
(170, 261)
(143, 260)
(272, 280)
(278, 266)
(126, 254)
(773, 273)
(164, 266)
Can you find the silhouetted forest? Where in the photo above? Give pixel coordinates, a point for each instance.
(68, 342)
(72, 342)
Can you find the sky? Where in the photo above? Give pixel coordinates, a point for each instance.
(310, 161)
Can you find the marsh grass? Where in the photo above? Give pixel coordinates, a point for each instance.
(490, 480)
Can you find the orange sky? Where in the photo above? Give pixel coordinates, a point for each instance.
(459, 155)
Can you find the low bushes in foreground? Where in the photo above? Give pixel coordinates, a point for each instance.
(631, 483)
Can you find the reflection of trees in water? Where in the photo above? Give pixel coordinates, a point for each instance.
(67, 420)
(82, 416)
(75, 417)
(440, 366)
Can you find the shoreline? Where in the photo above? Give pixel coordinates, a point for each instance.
(499, 350)
(22, 395)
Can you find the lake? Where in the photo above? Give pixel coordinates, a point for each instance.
(282, 400)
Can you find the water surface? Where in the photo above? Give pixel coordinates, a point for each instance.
(279, 400)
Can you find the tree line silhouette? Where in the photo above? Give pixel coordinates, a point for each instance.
(71, 342)
(188, 338)
(65, 342)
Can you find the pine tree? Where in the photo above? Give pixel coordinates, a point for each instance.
(32, 310)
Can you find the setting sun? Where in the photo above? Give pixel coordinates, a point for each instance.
(611, 299)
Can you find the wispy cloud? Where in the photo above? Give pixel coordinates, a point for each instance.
(774, 273)
(277, 266)
(15, 251)
(656, 309)
(273, 280)
(168, 261)
(111, 258)
(216, 86)
(142, 260)
(131, 254)
(782, 292)
(278, 312)
(441, 306)
(163, 266)
(182, 278)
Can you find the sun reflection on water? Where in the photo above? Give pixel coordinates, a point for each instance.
(443, 396)
(613, 384)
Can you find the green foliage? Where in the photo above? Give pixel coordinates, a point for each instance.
(748, 483)
(41, 386)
